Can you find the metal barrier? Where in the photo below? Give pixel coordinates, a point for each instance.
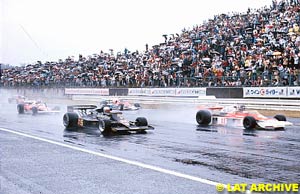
(263, 104)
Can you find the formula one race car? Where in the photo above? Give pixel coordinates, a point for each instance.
(103, 118)
(117, 104)
(239, 117)
(35, 107)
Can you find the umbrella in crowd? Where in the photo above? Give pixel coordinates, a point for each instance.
(226, 41)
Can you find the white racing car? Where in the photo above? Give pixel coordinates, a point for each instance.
(239, 117)
(117, 104)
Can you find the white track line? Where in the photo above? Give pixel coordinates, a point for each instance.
(135, 163)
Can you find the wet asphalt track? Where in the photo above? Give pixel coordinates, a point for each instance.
(226, 155)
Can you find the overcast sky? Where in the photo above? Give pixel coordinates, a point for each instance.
(48, 30)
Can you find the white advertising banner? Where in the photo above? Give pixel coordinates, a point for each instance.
(162, 91)
(90, 91)
(134, 91)
(293, 92)
(167, 91)
(139, 92)
(267, 92)
(190, 91)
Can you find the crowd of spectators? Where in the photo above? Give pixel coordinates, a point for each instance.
(257, 48)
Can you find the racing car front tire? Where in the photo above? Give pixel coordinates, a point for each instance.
(249, 122)
(105, 126)
(70, 119)
(203, 117)
(280, 117)
(20, 108)
(141, 121)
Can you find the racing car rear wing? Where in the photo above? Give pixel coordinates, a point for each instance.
(80, 107)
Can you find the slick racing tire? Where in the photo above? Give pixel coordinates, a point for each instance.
(20, 108)
(70, 120)
(249, 122)
(121, 107)
(137, 105)
(34, 110)
(280, 117)
(203, 117)
(141, 121)
(105, 126)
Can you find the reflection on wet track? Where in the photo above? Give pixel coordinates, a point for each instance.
(177, 143)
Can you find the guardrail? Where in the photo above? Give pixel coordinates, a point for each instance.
(267, 104)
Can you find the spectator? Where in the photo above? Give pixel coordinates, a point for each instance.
(260, 48)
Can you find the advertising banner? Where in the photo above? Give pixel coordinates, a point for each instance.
(267, 92)
(293, 92)
(162, 91)
(167, 92)
(139, 92)
(190, 91)
(90, 91)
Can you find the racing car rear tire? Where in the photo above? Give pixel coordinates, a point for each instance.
(203, 117)
(141, 121)
(280, 117)
(34, 110)
(121, 107)
(249, 122)
(105, 126)
(70, 120)
(20, 108)
(137, 105)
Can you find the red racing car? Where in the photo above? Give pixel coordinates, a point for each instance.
(35, 107)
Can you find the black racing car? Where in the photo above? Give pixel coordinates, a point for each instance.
(108, 122)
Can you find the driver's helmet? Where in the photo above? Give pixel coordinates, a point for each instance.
(106, 109)
(116, 101)
(242, 108)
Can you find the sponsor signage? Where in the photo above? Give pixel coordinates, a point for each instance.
(162, 91)
(134, 91)
(267, 92)
(89, 91)
(190, 91)
(139, 92)
(293, 92)
(167, 91)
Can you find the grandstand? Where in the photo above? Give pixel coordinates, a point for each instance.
(260, 48)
